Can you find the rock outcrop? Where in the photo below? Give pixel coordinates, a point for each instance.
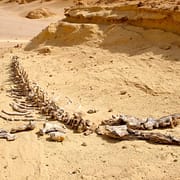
(40, 13)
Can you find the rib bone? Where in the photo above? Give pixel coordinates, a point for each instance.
(16, 108)
(15, 113)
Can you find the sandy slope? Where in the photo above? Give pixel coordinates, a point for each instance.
(92, 71)
(91, 86)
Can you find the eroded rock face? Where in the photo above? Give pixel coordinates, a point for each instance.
(167, 19)
(63, 33)
(27, 1)
(100, 25)
(39, 13)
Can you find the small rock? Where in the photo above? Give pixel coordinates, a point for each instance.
(76, 171)
(140, 4)
(44, 50)
(176, 59)
(57, 136)
(176, 8)
(50, 75)
(39, 13)
(110, 110)
(124, 147)
(123, 92)
(18, 46)
(91, 111)
(151, 57)
(69, 61)
(175, 160)
(14, 157)
(83, 144)
(165, 47)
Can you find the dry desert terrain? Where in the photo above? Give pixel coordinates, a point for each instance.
(121, 57)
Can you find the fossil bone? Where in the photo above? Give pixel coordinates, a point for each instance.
(144, 124)
(18, 109)
(15, 113)
(120, 126)
(18, 119)
(26, 127)
(122, 132)
(155, 137)
(49, 127)
(36, 95)
(6, 135)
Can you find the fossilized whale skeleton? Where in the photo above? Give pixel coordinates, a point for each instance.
(37, 98)
(121, 127)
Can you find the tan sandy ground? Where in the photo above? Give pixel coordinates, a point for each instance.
(93, 77)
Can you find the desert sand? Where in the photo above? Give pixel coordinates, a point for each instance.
(131, 68)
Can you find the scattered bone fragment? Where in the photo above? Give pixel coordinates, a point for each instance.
(26, 127)
(6, 135)
(57, 136)
(49, 127)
